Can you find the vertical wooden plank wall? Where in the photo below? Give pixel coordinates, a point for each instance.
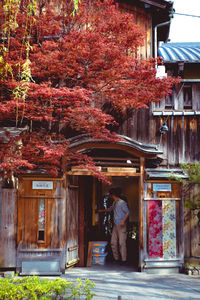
(192, 225)
(28, 208)
(143, 20)
(181, 144)
(8, 228)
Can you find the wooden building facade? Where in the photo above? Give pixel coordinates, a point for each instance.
(48, 222)
(181, 112)
(155, 228)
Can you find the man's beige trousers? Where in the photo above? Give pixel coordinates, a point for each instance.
(118, 242)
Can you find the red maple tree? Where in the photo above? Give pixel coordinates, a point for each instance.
(59, 69)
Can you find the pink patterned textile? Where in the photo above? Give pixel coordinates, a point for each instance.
(155, 229)
(162, 229)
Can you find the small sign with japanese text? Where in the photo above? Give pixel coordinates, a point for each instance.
(162, 187)
(42, 185)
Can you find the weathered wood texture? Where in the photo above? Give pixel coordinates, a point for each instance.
(72, 220)
(143, 20)
(81, 222)
(8, 228)
(85, 216)
(141, 215)
(192, 224)
(28, 215)
(182, 141)
(180, 144)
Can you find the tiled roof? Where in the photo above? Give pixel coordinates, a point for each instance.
(85, 139)
(175, 52)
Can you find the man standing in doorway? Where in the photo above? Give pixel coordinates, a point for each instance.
(119, 232)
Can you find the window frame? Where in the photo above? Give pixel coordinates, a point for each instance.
(187, 93)
(178, 107)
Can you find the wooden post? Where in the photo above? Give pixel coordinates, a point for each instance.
(93, 201)
(141, 221)
(89, 258)
(181, 216)
(81, 222)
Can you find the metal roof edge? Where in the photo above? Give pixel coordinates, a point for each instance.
(166, 173)
(163, 3)
(173, 53)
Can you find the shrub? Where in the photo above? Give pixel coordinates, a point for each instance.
(37, 288)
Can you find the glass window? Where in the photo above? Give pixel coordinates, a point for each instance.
(187, 96)
(41, 219)
(169, 102)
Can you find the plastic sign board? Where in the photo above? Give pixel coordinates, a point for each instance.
(162, 187)
(42, 185)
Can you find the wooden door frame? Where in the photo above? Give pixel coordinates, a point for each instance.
(128, 145)
(141, 214)
(81, 224)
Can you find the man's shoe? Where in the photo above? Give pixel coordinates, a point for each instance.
(123, 263)
(116, 262)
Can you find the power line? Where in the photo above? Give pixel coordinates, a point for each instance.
(187, 15)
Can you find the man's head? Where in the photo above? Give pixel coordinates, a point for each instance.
(115, 193)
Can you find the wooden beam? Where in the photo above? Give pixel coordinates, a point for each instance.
(93, 201)
(141, 218)
(181, 226)
(105, 173)
(121, 170)
(157, 198)
(89, 257)
(40, 177)
(40, 197)
(81, 221)
(117, 159)
(106, 163)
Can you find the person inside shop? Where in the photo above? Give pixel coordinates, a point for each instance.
(119, 232)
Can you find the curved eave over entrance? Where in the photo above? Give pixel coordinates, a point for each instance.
(83, 142)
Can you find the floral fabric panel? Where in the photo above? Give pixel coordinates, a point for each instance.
(42, 214)
(162, 229)
(155, 229)
(169, 229)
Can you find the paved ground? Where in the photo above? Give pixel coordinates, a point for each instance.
(113, 282)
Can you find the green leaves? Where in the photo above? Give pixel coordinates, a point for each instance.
(36, 288)
(75, 2)
(193, 171)
(191, 185)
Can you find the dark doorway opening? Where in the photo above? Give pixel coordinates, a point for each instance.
(98, 227)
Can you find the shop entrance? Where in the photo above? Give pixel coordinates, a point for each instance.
(98, 226)
(123, 162)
